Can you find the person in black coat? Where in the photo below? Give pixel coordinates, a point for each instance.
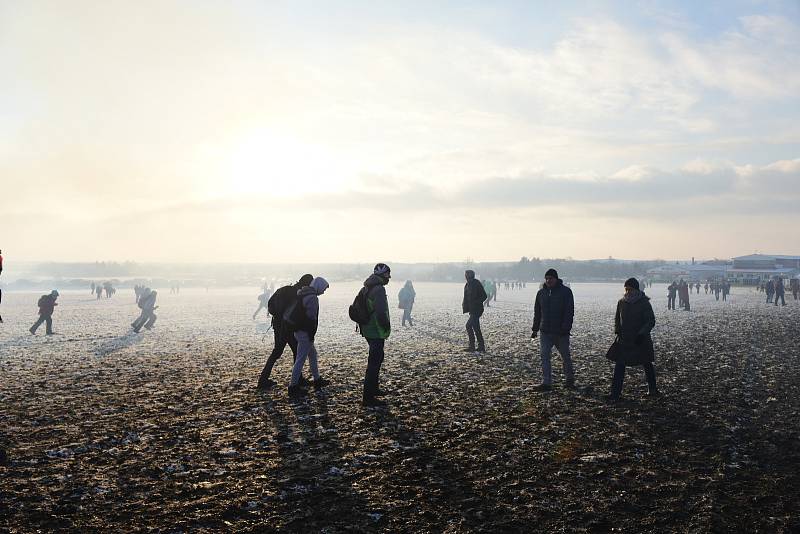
(633, 345)
(474, 297)
(553, 312)
(277, 305)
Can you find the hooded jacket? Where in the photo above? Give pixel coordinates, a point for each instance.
(554, 310)
(47, 304)
(406, 297)
(474, 295)
(379, 326)
(633, 322)
(147, 302)
(308, 300)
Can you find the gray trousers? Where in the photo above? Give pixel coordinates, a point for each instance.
(546, 343)
(305, 349)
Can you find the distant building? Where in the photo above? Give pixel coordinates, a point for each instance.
(697, 272)
(755, 268)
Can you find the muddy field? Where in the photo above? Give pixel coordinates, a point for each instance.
(109, 430)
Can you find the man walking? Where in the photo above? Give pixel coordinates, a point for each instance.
(277, 306)
(147, 303)
(376, 331)
(47, 304)
(553, 313)
(474, 297)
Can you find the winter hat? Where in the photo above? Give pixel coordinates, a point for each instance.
(54, 293)
(305, 279)
(632, 282)
(469, 273)
(381, 269)
(551, 272)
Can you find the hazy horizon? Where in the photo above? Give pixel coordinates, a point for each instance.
(355, 132)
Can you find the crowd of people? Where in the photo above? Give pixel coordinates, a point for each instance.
(294, 312)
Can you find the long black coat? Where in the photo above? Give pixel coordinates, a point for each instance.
(632, 323)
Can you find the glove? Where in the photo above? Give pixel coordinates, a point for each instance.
(534, 334)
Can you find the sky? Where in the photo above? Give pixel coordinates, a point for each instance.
(406, 131)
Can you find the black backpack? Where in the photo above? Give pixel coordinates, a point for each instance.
(279, 300)
(294, 317)
(358, 311)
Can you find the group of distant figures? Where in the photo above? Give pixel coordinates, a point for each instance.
(682, 289)
(775, 289)
(98, 289)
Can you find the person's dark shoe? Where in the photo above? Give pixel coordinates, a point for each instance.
(481, 348)
(471, 348)
(320, 383)
(50, 333)
(32, 331)
(610, 399)
(297, 392)
(266, 384)
(304, 382)
(653, 393)
(380, 393)
(570, 383)
(373, 403)
(543, 387)
(136, 330)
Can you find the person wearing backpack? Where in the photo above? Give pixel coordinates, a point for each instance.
(276, 306)
(474, 297)
(376, 330)
(303, 319)
(47, 304)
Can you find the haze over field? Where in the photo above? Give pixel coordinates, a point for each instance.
(408, 131)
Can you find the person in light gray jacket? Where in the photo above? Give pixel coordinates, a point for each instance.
(304, 318)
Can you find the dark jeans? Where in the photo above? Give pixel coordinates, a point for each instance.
(619, 378)
(779, 296)
(670, 303)
(474, 329)
(43, 319)
(147, 319)
(281, 341)
(372, 376)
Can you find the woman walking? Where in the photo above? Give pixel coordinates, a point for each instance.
(633, 346)
(406, 301)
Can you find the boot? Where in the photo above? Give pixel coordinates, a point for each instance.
(481, 347)
(266, 384)
(320, 383)
(470, 348)
(297, 392)
(372, 402)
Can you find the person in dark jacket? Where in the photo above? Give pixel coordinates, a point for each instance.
(780, 291)
(405, 300)
(553, 312)
(672, 291)
(306, 312)
(376, 331)
(147, 303)
(474, 297)
(277, 305)
(633, 345)
(794, 285)
(47, 305)
(769, 288)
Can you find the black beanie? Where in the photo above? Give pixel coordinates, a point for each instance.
(305, 280)
(551, 272)
(632, 282)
